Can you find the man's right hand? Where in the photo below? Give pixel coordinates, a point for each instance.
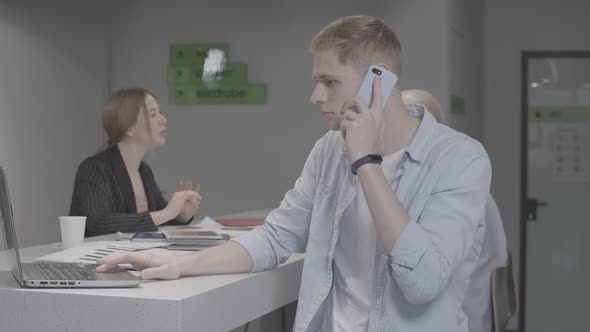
(229, 257)
(151, 266)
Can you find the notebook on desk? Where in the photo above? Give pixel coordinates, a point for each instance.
(50, 274)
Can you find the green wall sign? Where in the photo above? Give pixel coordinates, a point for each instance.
(232, 73)
(193, 54)
(559, 114)
(222, 94)
(230, 86)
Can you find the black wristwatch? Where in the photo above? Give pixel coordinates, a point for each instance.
(368, 159)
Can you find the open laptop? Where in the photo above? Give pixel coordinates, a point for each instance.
(51, 274)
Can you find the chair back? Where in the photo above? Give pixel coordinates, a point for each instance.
(504, 295)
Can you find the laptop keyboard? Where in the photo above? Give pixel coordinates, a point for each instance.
(65, 271)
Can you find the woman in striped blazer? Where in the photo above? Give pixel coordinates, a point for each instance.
(115, 189)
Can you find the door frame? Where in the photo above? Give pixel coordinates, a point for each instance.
(525, 56)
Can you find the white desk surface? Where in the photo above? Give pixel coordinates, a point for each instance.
(204, 303)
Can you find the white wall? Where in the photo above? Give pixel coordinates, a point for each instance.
(245, 157)
(509, 28)
(52, 76)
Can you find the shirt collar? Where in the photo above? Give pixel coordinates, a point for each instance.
(418, 147)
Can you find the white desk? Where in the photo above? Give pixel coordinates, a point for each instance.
(205, 303)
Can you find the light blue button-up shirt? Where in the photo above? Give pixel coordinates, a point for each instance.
(443, 182)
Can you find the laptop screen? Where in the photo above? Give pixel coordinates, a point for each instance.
(10, 246)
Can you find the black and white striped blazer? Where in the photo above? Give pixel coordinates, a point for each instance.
(104, 194)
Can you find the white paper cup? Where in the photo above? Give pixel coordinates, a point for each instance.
(72, 231)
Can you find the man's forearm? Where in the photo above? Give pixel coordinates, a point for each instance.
(388, 215)
(227, 258)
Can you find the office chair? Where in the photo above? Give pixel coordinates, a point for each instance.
(504, 295)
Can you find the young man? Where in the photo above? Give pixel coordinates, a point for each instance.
(493, 254)
(387, 249)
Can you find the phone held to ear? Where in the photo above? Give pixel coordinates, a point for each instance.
(388, 81)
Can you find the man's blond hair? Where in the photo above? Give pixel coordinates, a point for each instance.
(361, 40)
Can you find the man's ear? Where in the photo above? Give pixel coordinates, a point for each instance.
(384, 66)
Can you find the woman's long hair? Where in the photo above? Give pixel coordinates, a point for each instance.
(121, 112)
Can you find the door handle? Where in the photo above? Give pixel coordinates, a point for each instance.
(532, 205)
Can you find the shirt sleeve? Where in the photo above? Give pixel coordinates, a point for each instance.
(286, 229)
(433, 245)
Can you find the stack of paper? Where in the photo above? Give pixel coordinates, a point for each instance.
(209, 224)
(91, 251)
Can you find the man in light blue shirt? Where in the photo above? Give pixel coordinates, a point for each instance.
(409, 224)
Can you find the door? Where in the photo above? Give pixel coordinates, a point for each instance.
(555, 229)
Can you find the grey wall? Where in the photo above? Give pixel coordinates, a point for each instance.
(244, 157)
(53, 63)
(442, 53)
(423, 27)
(466, 65)
(509, 28)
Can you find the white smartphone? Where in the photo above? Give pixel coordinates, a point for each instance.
(388, 81)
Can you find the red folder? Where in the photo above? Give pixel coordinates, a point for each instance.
(241, 222)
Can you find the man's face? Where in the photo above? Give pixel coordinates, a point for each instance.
(336, 84)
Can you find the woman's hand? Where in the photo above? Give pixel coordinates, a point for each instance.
(176, 203)
(193, 201)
